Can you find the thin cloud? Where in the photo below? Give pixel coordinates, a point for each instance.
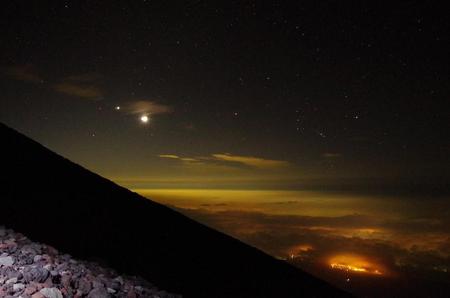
(77, 85)
(25, 73)
(188, 159)
(173, 156)
(251, 161)
(79, 90)
(146, 107)
(81, 85)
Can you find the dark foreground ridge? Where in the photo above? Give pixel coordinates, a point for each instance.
(54, 201)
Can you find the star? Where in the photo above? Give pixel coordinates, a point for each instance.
(144, 118)
(321, 134)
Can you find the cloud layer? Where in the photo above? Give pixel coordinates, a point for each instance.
(256, 162)
(145, 107)
(325, 237)
(230, 159)
(79, 90)
(25, 73)
(83, 86)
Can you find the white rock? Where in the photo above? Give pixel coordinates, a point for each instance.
(18, 287)
(11, 281)
(6, 261)
(48, 267)
(51, 293)
(119, 279)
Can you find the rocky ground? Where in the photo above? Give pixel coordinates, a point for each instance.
(32, 270)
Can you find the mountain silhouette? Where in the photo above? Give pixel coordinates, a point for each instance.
(55, 201)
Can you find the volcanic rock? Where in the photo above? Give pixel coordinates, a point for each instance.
(6, 261)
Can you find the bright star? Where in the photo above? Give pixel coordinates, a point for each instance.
(144, 119)
(117, 108)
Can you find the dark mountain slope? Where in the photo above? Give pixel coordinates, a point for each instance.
(55, 201)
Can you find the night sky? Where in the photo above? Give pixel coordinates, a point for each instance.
(336, 91)
(260, 95)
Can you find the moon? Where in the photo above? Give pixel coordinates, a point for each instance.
(144, 118)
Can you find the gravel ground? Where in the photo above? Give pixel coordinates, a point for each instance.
(33, 270)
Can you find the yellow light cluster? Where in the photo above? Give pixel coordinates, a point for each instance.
(347, 267)
(354, 264)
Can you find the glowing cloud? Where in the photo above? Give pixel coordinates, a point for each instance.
(79, 90)
(24, 73)
(251, 161)
(145, 107)
(173, 156)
